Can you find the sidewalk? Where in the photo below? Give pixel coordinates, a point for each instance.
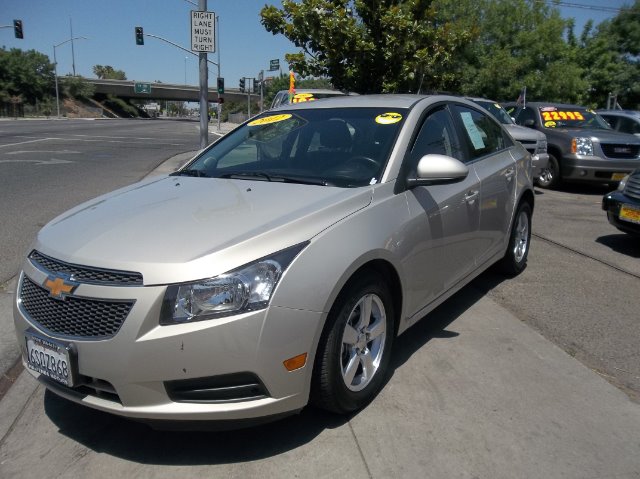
(475, 393)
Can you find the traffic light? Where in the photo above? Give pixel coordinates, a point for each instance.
(242, 85)
(17, 29)
(220, 85)
(256, 86)
(139, 36)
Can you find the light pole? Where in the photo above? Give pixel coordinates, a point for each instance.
(55, 69)
(185, 70)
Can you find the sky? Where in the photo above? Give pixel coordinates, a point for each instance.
(245, 47)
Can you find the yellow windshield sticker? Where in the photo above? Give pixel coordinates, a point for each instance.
(550, 124)
(388, 118)
(302, 97)
(270, 119)
(562, 115)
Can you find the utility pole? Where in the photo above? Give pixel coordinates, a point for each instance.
(204, 89)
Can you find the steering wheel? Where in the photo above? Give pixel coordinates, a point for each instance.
(363, 160)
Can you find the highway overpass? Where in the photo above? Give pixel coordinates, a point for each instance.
(163, 91)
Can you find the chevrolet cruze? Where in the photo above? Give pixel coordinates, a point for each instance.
(279, 265)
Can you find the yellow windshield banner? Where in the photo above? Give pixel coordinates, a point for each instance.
(562, 115)
(302, 97)
(388, 118)
(270, 119)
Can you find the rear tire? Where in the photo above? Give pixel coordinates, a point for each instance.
(550, 176)
(515, 259)
(355, 347)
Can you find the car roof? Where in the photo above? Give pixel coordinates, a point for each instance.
(324, 91)
(632, 113)
(542, 104)
(390, 101)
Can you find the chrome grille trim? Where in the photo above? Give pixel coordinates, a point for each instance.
(75, 317)
(85, 274)
(626, 151)
(632, 187)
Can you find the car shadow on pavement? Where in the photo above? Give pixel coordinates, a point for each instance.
(137, 442)
(622, 243)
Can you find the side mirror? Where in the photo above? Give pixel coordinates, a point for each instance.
(438, 170)
(529, 123)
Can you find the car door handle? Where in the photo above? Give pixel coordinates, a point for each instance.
(471, 196)
(509, 173)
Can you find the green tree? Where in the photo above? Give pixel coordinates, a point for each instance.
(28, 74)
(370, 46)
(107, 72)
(521, 43)
(77, 87)
(609, 54)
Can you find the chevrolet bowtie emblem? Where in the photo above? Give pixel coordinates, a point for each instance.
(59, 286)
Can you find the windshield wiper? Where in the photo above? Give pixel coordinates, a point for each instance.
(195, 173)
(302, 180)
(247, 174)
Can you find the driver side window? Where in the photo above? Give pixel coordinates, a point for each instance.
(436, 136)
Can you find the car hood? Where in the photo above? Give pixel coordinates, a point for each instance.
(603, 136)
(522, 133)
(178, 229)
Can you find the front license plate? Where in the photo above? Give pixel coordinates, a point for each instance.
(51, 358)
(618, 176)
(630, 213)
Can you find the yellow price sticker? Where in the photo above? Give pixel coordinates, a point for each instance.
(562, 115)
(302, 97)
(388, 118)
(270, 119)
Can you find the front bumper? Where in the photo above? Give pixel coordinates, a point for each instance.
(129, 374)
(611, 203)
(593, 169)
(539, 163)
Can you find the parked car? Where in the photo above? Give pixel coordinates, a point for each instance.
(535, 142)
(582, 146)
(623, 205)
(626, 121)
(279, 265)
(303, 95)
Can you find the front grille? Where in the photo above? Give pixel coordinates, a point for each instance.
(530, 146)
(76, 317)
(620, 151)
(86, 274)
(633, 186)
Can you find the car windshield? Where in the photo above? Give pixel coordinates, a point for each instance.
(497, 111)
(553, 117)
(345, 147)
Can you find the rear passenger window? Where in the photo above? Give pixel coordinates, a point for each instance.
(484, 135)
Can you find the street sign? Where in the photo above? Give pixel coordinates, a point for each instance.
(274, 65)
(142, 87)
(203, 31)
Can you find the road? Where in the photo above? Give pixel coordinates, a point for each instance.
(535, 376)
(46, 167)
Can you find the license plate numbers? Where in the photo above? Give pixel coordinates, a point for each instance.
(618, 176)
(50, 358)
(630, 213)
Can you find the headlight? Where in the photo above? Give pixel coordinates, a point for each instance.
(623, 183)
(248, 288)
(582, 146)
(542, 146)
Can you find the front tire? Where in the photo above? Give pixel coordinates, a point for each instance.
(355, 347)
(515, 259)
(550, 176)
